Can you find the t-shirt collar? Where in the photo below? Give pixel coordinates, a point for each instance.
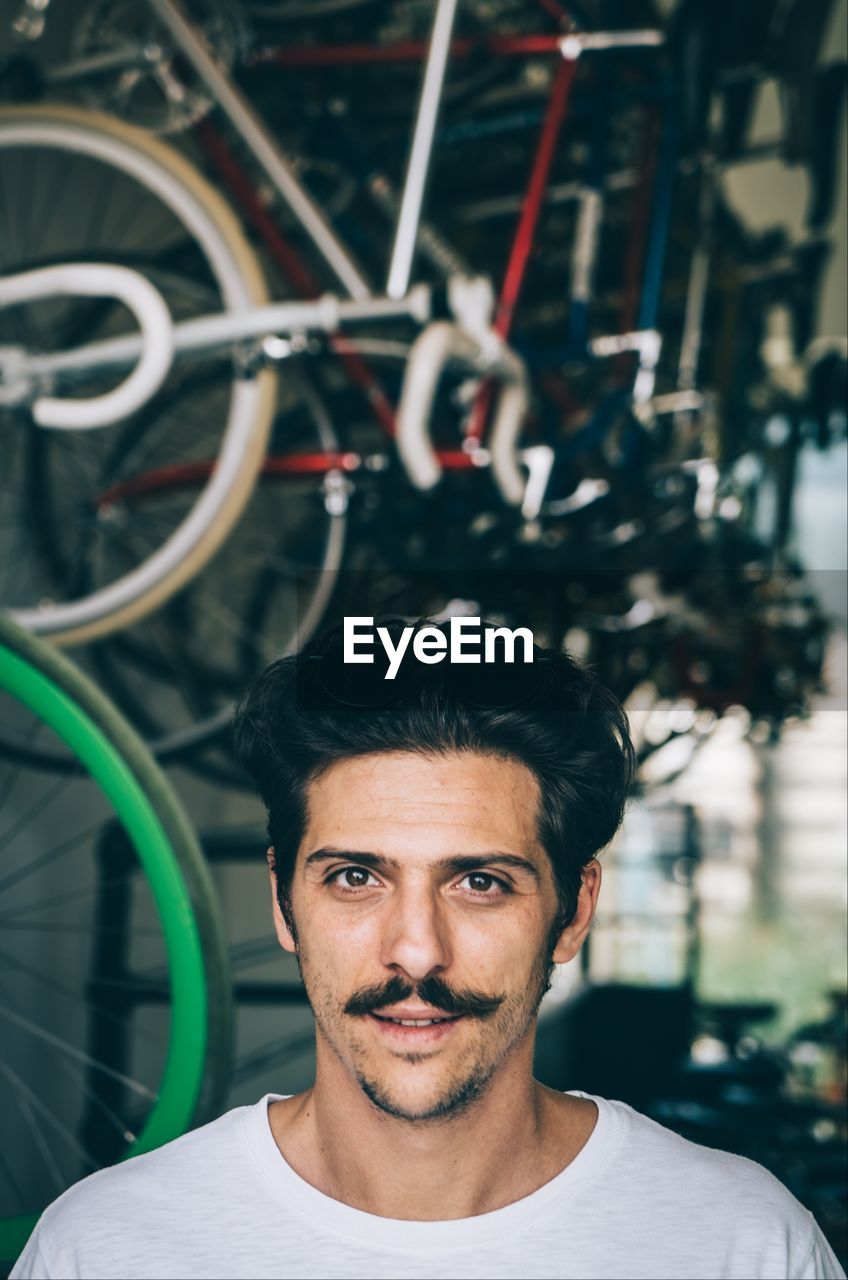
(327, 1214)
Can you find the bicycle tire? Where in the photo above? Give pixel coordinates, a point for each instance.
(265, 593)
(202, 213)
(197, 1062)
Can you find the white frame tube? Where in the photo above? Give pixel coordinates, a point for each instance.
(406, 233)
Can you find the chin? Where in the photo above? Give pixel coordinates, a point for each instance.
(444, 1101)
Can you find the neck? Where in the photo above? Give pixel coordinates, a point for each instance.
(502, 1147)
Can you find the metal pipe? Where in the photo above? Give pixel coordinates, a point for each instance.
(263, 147)
(557, 193)
(206, 333)
(660, 219)
(432, 244)
(696, 292)
(296, 272)
(349, 54)
(128, 57)
(575, 44)
(523, 242)
(422, 146)
(534, 196)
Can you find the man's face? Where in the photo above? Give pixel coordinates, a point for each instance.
(421, 890)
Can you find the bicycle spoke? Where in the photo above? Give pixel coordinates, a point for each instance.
(180, 666)
(40, 221)
(114, 1120)
(56, 927)
(97, 217)
(38, 806)
(272, 1055)
(9, 1174)
(14, 776)
(42, 1146)
(73, 1052)
(10, 236)
(21, 573)
(53, 985)
(61, 899)
(49, 1116)
(57, 851)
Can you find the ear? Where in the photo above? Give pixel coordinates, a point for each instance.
(573, 935)
(284, 936)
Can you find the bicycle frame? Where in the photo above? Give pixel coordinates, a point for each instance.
(568, 48)
(337, 255)
(487, 351)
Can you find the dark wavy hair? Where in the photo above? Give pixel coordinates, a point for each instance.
(552, 716)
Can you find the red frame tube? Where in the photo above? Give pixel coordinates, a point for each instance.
(522, 244)
(190, 475)
(301, 278)
(535, 194)
(334, 55)
(297, 273)
(557, 12)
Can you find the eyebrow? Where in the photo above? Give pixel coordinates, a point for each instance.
(454, 862)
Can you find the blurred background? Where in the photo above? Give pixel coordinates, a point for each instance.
(615, 411)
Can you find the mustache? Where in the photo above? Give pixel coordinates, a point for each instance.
(432, 991)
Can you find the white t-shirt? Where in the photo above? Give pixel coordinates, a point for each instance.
(637, 1201)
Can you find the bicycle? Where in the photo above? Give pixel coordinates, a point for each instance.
(476, 334)
(111, 608)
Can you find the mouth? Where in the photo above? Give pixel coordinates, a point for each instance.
(419, 1031)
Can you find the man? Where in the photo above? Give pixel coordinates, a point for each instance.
(433, 842)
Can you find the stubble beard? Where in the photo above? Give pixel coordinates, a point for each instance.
(506, 1029)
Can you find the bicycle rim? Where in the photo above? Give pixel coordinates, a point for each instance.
(194, 1062)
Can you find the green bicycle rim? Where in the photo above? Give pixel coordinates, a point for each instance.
(182, 1079)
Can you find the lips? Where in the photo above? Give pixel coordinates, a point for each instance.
(415, 1018)
(429, 1033)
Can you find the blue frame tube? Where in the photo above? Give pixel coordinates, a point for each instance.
(661, 216)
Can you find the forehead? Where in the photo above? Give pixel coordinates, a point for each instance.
(403, 801)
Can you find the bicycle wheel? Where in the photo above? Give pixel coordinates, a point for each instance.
(115, 997)
(124, 197)
(174, 673)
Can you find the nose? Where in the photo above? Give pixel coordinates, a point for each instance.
(415, 933)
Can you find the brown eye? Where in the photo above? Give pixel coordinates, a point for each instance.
(349, 878)
(486, 885)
